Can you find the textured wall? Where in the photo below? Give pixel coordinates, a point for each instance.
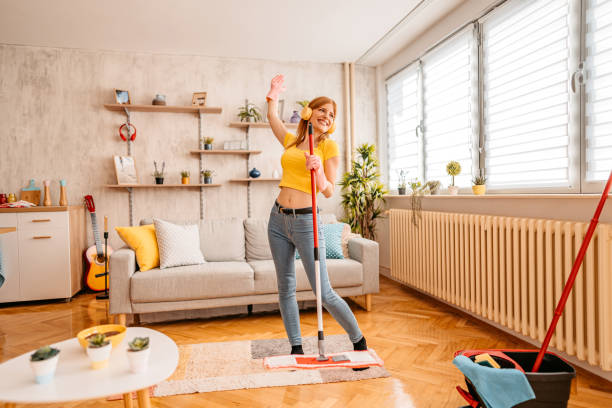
(55, 127)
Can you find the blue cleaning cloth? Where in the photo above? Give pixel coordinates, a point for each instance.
(498, 388)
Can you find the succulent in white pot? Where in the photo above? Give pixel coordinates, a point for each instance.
(44, 362)
(99, 351)
(138, 354)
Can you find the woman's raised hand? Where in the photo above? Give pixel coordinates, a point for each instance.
(276, 87)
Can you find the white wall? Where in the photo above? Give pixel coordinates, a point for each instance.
(54, 125)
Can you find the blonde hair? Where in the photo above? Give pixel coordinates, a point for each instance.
(302, 129)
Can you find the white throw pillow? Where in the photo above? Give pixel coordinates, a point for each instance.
(178, 244)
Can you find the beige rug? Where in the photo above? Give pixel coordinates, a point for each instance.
(234, 365)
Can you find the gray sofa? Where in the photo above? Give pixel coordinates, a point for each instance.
(239, 271)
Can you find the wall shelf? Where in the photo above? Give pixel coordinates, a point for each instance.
(161, 108)
(240, 180)
(243, 125)
(225, 151)
(161, 185)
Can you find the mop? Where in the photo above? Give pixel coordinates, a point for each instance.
(352, 359)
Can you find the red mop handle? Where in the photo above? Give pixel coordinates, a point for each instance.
(313, 193)
(570, 282)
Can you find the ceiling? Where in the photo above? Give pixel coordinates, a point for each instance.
(363, 31)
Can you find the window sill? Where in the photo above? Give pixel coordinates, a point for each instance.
(499, 196)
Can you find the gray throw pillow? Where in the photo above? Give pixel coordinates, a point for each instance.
(178, 244)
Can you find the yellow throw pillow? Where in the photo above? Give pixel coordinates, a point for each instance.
(144, 242)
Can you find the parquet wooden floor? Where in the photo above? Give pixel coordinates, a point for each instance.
(416, 337)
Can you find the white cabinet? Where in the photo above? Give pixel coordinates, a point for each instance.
(41, 258)
(9, 292)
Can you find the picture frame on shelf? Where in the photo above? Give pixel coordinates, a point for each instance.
(198, 99)
(122, 97)
(125, 169)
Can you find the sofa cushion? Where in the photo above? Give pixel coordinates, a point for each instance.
(342, 273)
(332, 233)
(205, 281)
(256, 235)
(143, 241)
(178, 244)
(222, 240)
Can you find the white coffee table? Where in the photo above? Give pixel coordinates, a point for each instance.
(75, 380)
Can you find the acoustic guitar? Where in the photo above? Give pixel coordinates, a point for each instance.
(94, 255)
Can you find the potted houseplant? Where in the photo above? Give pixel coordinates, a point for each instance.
(43, 362)
(138, 354)
(208, 143)
(99, 350)
(207, 174)
(453, 169)
(401, 186)
(185, 177)
(362, 193)
(417, 191)
(159, 174)
(479, 187)
(432, 187)
(249, 112)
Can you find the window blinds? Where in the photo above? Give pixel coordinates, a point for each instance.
(447, 95)
(402, 120)
(526, 102)
(599, 90)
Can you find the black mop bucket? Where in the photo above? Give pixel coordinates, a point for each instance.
(551, 384)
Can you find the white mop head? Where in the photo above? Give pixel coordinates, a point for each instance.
(365, 358)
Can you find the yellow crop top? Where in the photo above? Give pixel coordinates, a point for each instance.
(293, 161)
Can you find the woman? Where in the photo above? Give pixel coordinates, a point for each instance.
(290, 225)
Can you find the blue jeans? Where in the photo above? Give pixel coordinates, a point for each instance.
(286, 233)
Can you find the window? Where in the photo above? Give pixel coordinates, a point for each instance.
(402, 121)
(526, 100)
(599, 90)
(516, 102)
(447, 97)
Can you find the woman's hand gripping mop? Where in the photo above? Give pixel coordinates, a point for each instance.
(351, 359)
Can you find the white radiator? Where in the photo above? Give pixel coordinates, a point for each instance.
(512, 271)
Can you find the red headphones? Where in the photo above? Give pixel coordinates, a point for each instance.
(131, 131)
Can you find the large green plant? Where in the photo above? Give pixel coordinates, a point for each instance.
(363, 193)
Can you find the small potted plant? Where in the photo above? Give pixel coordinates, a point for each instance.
(207, 174)
(249, 112)
(479, 187)
(185, 177)
(208, 141)
(99, 350)
(43, 362)
(401, 186)
(138, 354)
(453, 169)
(159, 174)
(432, 186)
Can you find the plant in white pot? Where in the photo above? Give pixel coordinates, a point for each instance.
(138, 354)
(43, 362)
(453, 169)
(99, 350)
